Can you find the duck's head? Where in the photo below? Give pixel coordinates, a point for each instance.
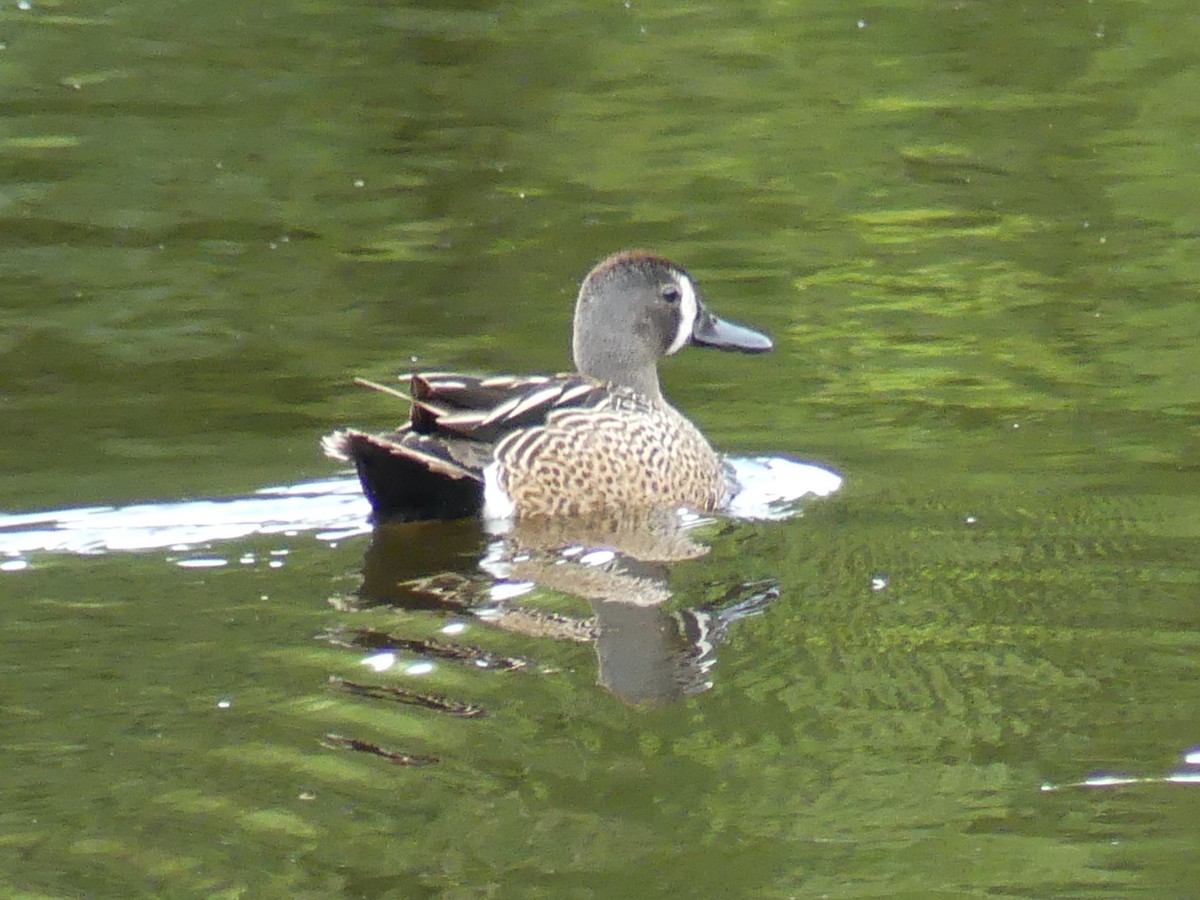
(634, 308)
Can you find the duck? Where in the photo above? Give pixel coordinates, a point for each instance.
(601, 440)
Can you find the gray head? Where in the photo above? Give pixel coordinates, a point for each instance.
(634, 309)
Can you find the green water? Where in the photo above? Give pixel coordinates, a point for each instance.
(972, 231)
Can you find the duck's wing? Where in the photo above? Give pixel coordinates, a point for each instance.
(488, 409)
(432, 466)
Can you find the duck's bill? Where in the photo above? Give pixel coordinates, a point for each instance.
(710, 331)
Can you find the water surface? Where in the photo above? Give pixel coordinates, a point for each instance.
(971, 230)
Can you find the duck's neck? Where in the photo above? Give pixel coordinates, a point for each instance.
(642, 379)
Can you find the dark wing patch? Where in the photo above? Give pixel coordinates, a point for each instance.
(489, 409)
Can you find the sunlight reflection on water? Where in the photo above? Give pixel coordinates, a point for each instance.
(335, 509)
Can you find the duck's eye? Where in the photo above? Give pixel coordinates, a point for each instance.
(670, 293)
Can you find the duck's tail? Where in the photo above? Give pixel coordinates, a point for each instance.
(411, 479)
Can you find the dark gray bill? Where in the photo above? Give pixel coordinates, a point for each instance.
(709, 331)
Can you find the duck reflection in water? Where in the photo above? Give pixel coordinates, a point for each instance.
(647, 653)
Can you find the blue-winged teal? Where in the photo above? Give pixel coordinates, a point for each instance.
(600, 440)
